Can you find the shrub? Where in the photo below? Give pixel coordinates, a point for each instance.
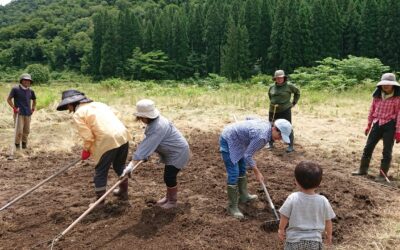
(339, 74)
(39, 73)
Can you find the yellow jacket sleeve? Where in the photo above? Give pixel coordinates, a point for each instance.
(84, 130)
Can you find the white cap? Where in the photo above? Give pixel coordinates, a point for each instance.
(146, 108)
(285, 127)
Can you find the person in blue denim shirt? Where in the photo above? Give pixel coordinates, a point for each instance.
(238, 143)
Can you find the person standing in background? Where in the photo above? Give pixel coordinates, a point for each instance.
(280, 107)
(22, 100)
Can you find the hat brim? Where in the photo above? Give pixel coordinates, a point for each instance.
(285, 138)
(63, 104)
(151, 115)
(386, 82)
(20, 81)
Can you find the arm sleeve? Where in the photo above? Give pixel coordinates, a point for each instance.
(33, 96)
(296, 93)
(398, 116)
(149, 144)
(329, 214)
(371, 111)
(84, 131)
(255, 145)
(287, 206)
(12, 93)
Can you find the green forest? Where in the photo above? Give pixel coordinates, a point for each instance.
(178, 39)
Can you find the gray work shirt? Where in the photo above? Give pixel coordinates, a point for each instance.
(307, 215)
(162, 137)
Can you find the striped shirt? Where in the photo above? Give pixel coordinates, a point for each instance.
(162, 137)
(245, 138)
(385, 110)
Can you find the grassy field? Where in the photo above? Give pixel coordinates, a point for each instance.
(325, 121)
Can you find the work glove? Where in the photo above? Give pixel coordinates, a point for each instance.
(367, 129)
(128, 170)
(16, 110)
(397, 137)
(85, 155)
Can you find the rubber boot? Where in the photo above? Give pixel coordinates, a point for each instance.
(290, 147)
(233, 202)
(163, 200)
(385, 168)
(98, 195)
(17, 146)
(172, 198)
(122, 191)
(364, 165)
(24, 145)
(244, 195)
(270, 145)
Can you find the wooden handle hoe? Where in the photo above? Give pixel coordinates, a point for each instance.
(92, 207)
(39, 184)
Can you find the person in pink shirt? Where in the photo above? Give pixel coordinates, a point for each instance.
(383, 123)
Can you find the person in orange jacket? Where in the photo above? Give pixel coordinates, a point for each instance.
(105, 138)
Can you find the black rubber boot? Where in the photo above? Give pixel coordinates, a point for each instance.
(364, 165)
(385, 169)
(290, 147)
(122, 191)
(98, 196)
(24, 145)
(17, 146)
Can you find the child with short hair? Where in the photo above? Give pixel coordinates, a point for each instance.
(307, 213)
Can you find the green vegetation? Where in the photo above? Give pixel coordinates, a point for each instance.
(176, 39)
(339, 74)
(39, 72)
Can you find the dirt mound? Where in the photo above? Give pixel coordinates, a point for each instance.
(200, 221)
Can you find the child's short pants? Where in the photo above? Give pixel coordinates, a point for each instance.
(304, 245)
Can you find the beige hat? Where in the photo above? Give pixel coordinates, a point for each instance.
(146, 108)
(279, 73)
(388, 79)
(25, 76)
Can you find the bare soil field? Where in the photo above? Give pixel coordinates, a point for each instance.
(363, 207)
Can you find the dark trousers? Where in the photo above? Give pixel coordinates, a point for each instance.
(116, 157)
(386, 133)
(170, 173)
(287, 115)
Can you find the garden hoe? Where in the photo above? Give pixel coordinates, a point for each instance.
(13, 147)
(270, 225)
(91, 207)
(38, 185)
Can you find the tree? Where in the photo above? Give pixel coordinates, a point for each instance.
(109, 50)
(369, 29)
(252, 22)
(265, 34)
(236, 60)
(152, 65)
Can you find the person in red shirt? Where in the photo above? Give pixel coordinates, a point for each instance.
(383, 123)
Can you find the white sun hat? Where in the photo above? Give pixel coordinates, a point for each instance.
(388, 79)
(146, 108)
(285, 127)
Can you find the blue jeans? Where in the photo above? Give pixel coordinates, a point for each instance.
(233, 170)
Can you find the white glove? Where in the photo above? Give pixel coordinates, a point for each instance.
(128, 169)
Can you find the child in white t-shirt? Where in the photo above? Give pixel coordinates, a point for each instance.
(307, 213)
